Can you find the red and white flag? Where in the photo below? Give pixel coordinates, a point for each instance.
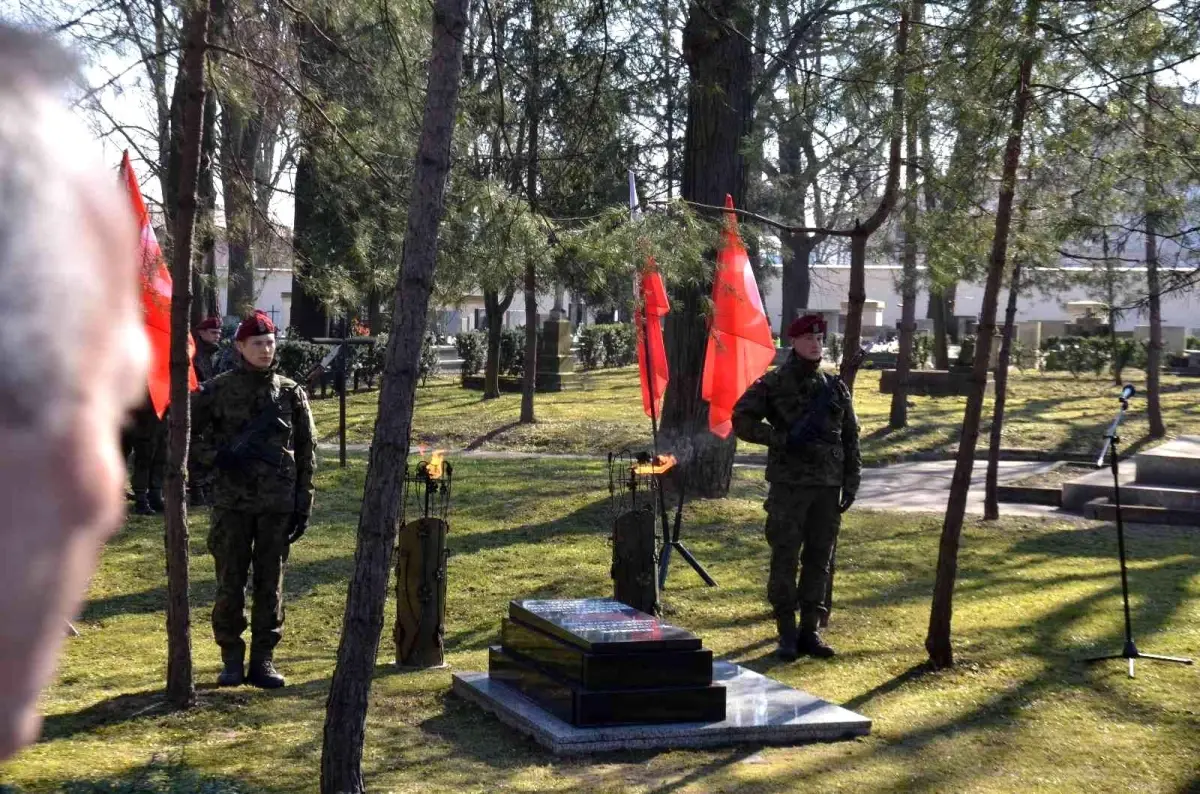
(655, 373)
(652, 306)
(156, 299)
(740, 344)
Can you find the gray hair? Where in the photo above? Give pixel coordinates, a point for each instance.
(43, 291)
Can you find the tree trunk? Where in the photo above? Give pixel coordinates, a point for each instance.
(186, 137)
(857, 296)
(239, 152)
(937, 641)
(796, 279)
(529, 376)
(898, 417)
(309, 317)
(864, 230)
(495, 307)
(203, 286)
(533, 115)
(939, 312)
(346, 709)
(716, 47)
(991, 499)
(1154, 352)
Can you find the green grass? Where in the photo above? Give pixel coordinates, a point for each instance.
(1019, 712)
(1052, 412)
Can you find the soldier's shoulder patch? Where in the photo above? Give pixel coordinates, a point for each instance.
(286, 383)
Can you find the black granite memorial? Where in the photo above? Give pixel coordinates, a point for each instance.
(595, 662)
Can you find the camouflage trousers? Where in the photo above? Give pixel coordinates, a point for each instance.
(802, 527)
(236, 539)
(147, 441)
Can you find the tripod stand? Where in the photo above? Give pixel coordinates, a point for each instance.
(672, 541)
(1130, 651)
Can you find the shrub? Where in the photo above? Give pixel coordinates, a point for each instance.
(922, 350)
(472, 349)
(430, 358)
(1193, 343)
(297, 358)
(591, 347)
(834, 345)
(1023, 356)
(1128, 353)
(966, 351)
(1077, 354)
(620, 345)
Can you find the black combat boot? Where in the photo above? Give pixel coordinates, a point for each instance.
(141, 504)
(264, 675)
(810, 643)
(234, 671)
(155, 500)
(785, 624)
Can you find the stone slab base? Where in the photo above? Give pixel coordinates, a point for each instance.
(759, 710)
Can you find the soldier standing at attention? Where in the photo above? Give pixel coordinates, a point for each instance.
(806, 420)
(208, 338)
(255, 427)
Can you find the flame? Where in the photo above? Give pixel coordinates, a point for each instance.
(660, 465)
(433, 469)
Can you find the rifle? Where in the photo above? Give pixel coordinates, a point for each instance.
(853, 365)
(806, 430)
(247, 445)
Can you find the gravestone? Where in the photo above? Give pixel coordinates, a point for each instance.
(555, 364)
(591, 675)
(598, 661)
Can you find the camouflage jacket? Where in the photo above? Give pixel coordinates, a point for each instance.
(781, 398)
(280, 481)
(202, 362)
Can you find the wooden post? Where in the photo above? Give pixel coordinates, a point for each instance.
(421, 594)
(634, 573)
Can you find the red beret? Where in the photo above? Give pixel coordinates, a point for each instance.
(806, 324)
(209, 324)
(257, 324)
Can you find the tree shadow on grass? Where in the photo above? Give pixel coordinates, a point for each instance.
(157, 777)
(299, 580)
(152, 703)
(491, 435)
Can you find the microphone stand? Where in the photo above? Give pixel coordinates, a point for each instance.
(1111, 440)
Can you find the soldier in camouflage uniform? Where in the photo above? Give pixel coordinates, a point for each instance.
(255, 427)
(208, 337)
(806, 420)
(146, 439)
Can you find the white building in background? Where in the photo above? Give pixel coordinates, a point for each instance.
(831, 283)
(272, 281)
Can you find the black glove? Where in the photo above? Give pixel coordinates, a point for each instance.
(226, 460)
(847, 500)
(296, 530)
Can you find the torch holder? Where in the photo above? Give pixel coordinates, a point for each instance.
(421, 568)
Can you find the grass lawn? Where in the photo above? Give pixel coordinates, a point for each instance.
(1018, 713)
(1053, 412)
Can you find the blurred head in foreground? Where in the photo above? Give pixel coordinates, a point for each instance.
(72, 362)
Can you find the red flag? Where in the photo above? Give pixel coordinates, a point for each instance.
(156, 300)
(653, 301)
(740, 344)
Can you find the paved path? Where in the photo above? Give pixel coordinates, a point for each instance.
(921, 487)
(925, 487)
